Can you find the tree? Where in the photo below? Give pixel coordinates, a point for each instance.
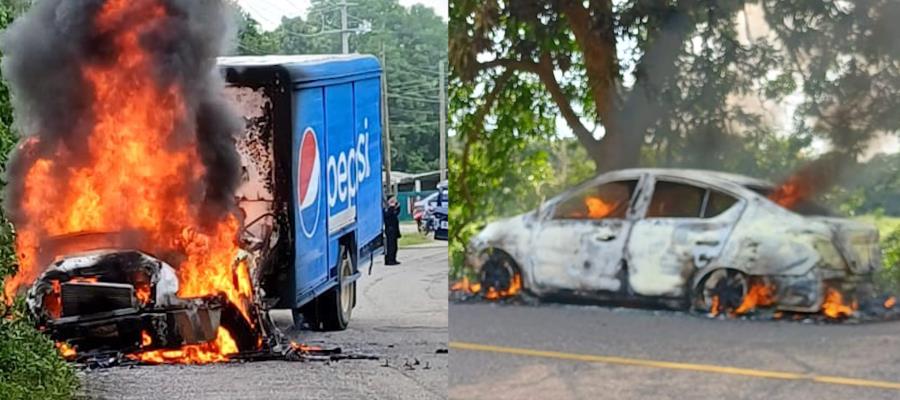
(668, 71)
(251, 39)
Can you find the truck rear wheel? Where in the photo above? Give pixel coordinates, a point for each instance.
(332, 310)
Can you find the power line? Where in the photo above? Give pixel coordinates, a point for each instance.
(411, 98)
(412, 118)
(294, 5)
(402, 112)
(417, 93)
(413, 125)
(345, 30)
(416, 86)
(255, 13)
(421, 81)
(411, 68)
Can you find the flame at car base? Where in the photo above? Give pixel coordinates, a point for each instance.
(215, 351)
(489, 292)
(761, 295)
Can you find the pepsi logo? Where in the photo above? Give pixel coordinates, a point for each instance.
(309, 174)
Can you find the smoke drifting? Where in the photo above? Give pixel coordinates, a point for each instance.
(124, 129)
(47, 50)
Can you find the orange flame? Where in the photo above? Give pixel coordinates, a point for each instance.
(142, 292)
(215, 351)
(834, 306)
(146, 340)
(791, 192)
(515, 286)
(67, 352)
(140, 172)
(759, 295)
(597, 208)
(714, 309)
(890, 302)
(304, 348)
(53, 301)
(463, 285)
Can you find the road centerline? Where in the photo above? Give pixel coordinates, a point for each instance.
(671, 365)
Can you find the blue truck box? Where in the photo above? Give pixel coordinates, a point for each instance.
(312, 182)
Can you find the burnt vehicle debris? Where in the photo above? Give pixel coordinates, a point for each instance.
(714, 242)
(125, 300)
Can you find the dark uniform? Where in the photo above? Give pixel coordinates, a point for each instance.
(391, 233)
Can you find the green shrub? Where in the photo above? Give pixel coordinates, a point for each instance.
(890, 276)
(30, 366)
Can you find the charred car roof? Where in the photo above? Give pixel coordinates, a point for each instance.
(692, 174)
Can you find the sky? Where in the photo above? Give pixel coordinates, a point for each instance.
(269, 12)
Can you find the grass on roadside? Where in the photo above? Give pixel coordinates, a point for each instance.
(412, 239)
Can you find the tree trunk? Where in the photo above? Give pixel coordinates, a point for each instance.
(625, 129)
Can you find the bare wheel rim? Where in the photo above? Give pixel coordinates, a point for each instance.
(729, 287)
(346, 286)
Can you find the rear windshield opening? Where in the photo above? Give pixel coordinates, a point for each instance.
(808, 207)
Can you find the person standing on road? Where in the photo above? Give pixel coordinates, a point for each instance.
(391, 230)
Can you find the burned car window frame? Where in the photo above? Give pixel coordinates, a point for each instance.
(708, 189)
(708, 198)
(548, 211)
(679, 186)
(807, 208)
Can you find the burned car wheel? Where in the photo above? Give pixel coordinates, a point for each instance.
(499, 273)
(722, 290)
(332, 310)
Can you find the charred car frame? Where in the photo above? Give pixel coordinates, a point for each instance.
(681, 237)
(109, 299)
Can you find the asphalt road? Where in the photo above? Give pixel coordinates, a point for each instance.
(401, 315)
(588, 352)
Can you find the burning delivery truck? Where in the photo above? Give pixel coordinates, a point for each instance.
(312, 186)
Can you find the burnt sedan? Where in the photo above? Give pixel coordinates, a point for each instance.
(710, 240)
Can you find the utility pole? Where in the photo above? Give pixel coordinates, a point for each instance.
(345, 30)
(385, 122)
(443, 121)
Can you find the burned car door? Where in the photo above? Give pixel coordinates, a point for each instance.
(684, 228)
(579, 243)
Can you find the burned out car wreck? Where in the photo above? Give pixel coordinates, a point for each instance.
(121, 300)
(708, 240)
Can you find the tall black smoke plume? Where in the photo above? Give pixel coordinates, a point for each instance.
(46, 50)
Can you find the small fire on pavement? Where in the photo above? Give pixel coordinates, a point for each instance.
(468, 287)
(215, 351)
(836, 306)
